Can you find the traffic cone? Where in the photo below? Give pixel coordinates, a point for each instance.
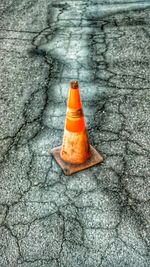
(76, 153)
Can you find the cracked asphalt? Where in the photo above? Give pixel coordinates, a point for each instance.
(99, 217)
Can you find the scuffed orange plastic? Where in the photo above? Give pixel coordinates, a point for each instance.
(75, 148)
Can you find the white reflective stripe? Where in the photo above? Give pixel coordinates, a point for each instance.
(74, 113)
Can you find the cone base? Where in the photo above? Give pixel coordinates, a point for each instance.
(69, 168)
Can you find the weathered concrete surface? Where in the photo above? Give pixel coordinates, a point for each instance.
(99, 217)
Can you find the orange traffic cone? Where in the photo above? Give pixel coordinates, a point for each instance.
(76, 153)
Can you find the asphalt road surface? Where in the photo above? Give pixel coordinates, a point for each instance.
(99, 217)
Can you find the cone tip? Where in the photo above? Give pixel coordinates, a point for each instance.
(74, 84)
